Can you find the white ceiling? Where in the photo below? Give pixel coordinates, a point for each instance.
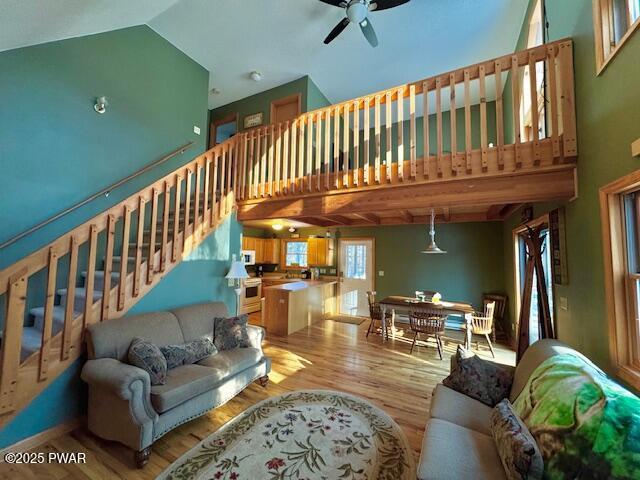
(283, 38)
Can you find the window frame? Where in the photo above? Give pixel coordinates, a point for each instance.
(603, 29)
(285, 251)
(624, 335)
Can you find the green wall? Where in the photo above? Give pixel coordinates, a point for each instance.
(607, 123)
(315, 98)
(56, 150)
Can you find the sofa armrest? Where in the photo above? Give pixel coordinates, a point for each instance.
(256, 336)
(127, 382)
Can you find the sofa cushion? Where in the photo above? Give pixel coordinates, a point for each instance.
(231, 332)
(182, 384)
(197, 321)
(450, 451)
(148, 357)
(230, 362)
(520, 455)
(455, 407)
(188, 353)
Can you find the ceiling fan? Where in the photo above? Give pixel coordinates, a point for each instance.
(356, 12)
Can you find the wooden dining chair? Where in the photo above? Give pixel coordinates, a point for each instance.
(429, 322)
(482, 324)
(498, 314)
(375, 313)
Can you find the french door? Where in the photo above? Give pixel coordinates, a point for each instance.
(356, 275)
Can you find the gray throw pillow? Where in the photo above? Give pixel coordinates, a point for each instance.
(188, 353)
(519, 452)
(482, 380)
(147, 356)
(231, 332)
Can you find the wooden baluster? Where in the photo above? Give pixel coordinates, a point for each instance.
(301, 137)
(216, 189)
(327, 149)
(318, 150)
(483, 119)
(294, 154)
(251, 165)
(87, 318)
(412, 131)
(256, 166)
(245, 160)
(425, 130)
(388, 110)
(568, 130)
(223, 175)
(137, 270)
(467, 120)
(309, 150)
(47, 326)
(285, 157)
(553, 101)
(69, 312)
(126, 231)
(400, 133)
(196, 206)
(231, 155)
(499, 115)
(263, 162)
(453, 122)
(153, 226)
(165, 226)
(187, 209)
(176, 218)
(345, 147)
(108, 263)
(439, 124)
(515, 95)
(237, 166)
(278, 157)
(356, 143)
(366, 140)
(336, 146)
(206, 215)
(378, 140)
(270, 168)
(12, 339)
(534, 109)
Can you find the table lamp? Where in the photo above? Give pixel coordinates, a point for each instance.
(237, 273)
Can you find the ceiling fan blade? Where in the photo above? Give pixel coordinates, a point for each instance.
(369, 32)
(335, 3)
(385, 4)
(337, 30)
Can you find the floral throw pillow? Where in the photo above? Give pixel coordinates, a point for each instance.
(188, 353)
(231, 332)
(147, 356)
(482, 380)
(519, 452)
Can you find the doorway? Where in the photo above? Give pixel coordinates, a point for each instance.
(520, 271)
(287, 108)
(223, 129)
(355, 269)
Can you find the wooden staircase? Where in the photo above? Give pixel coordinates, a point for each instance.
(153, 229)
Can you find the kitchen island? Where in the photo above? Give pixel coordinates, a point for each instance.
(292, 306)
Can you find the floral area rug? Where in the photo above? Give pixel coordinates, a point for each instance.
(309, 434)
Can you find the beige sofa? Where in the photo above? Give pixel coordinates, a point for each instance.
(124, 406)
(457, 441)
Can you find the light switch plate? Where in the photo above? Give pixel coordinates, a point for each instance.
(381, 273)
(196, 130)
(564, 303)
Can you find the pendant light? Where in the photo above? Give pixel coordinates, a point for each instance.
(432, 247)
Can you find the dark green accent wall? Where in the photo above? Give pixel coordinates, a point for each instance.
(56, 150)
(607, 123)
(315, 98)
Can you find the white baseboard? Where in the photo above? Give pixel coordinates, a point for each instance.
(42, 437)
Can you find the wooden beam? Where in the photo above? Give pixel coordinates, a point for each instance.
(494, 212)
(368, 217)
(509, 210)
(317, 221)
(338, 219)
(446, 213)
(406, 216)
(635, 148)
(552, 184)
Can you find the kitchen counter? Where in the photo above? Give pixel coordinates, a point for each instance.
(292, 306)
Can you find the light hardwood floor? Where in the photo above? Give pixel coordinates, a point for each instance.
(327, 355)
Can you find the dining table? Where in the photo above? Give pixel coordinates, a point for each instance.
(398, 303)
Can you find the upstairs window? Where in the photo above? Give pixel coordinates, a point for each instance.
(535, 39)
(296, 254)
(614, 22)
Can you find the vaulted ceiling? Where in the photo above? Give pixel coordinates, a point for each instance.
(283, 38)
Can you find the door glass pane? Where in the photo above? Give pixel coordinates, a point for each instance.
(534, 325)
(356, 262)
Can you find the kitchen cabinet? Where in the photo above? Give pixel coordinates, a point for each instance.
(319, 252)
(248, 243)
(267, 249)
(259, 250)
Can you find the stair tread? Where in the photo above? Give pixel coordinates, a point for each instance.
(31, 341)
(81, 292)
(100, 273)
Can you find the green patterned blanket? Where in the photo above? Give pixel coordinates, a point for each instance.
(586, 425)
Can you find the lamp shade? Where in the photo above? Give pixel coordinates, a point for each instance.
(237, 271)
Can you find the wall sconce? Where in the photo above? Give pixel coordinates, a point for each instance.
(101, 104)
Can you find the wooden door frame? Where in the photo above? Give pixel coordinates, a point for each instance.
(338, 257)
(283, 101)
(213, 130)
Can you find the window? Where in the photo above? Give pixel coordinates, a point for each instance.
(296, 254)
(535, 38)
(614, 22)
(620, 208)
(356, 262)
